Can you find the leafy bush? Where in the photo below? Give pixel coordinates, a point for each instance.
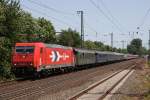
(5, 57)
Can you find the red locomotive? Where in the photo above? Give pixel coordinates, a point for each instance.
(36, 57)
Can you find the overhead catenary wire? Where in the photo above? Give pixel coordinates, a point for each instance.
(109, 12)
(42, 5)
(58, 11)
(45, 14)
(108, 18)
(144, 18)
(89, 26)
(51, 8)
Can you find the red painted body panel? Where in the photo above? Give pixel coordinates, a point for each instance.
(55, 56)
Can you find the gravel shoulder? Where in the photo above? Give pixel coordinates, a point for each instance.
(137, 86)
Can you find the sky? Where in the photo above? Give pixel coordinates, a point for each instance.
(123, 18)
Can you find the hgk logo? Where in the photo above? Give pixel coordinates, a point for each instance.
(55, 56)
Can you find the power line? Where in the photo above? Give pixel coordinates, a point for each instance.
(123, 43)
(50, 8)
(58, 20)
(144, 18)
(87, 25)
(101, 11)
(109, 12)
(57, 11)
(53, 9)
(92, 29)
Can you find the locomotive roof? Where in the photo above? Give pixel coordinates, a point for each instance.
(29, 44)
(41, 43)
(57, 46)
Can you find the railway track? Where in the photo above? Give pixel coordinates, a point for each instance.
(12, 82)
(31, 89)
(5, 83)
(102, 89)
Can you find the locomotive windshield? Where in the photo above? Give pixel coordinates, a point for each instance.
(24, 49)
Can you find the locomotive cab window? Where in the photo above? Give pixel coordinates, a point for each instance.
(24, 49)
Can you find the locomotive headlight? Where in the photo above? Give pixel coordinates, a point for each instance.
(15, 64)
(31, 64)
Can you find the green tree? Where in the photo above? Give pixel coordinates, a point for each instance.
(99, 45)
(108, 48)
(119, 50)
(5, 60)
(144, 51)
(28, 27)
(69, 38)
(17, 25)
(10, 14)
(9, 18)
(135, 46)
(89, 45)
(124, 51)
(46, 31)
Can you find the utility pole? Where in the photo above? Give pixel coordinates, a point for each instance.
(96, 36)
(111, 39)
(123, 42)
(82, 28)
(133, 36)
(149, 40)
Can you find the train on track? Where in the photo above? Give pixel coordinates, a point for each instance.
(37, 58)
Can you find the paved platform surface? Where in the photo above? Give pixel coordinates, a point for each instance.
(101, 89)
